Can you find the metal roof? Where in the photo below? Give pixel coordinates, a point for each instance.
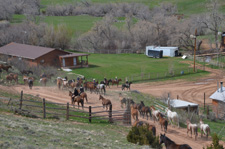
(218, 95)
(24, 51)
(176, 103)
(73, 55)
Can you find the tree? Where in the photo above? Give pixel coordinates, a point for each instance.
(214, 20)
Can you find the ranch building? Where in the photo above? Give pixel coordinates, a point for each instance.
(167, 51)
(218, 102)
(36, 55)
(184, 105)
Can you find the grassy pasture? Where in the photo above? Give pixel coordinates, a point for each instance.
(122, 65)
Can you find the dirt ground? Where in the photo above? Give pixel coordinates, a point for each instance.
(189, 91)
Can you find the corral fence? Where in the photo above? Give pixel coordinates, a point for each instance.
(164, 75)
(44, 109)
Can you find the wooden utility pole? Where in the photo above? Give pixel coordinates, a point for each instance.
(195, 47)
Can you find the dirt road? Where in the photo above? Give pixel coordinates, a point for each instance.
(54, 95)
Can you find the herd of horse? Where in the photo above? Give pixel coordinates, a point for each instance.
(172, 118)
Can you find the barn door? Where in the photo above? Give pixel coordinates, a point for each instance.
(74, 61)
(63, 62)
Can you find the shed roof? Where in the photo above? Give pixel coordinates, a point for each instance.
(73, 55)
(218, 95)
(24, 51)
(176, 103)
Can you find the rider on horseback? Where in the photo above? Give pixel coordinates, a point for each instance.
(94, 82)
(116, 78)
(127, 83)
(81, 89)
(105, 80)
(75, 93)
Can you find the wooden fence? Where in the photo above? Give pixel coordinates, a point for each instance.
(45, 109)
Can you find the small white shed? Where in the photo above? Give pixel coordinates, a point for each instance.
(167, 51)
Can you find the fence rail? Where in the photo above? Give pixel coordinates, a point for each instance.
(44, 109)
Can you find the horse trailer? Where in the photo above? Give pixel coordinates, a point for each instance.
(155, 54)
(167, 51)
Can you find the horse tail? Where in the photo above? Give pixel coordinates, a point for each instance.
(154, 130)
(104, 89)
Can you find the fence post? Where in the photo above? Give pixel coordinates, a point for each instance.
(89, 114)
(21, 99)
(204, 101)
(189, 109)
(44, 110)
(67, 110)
(207, 112)
(110, 114)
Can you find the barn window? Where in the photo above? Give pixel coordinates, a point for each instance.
(42, 61)
(19, 58)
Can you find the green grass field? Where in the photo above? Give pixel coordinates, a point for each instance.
(187, 7)
(123, 65)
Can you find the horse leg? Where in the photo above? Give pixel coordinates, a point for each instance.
(201, 133)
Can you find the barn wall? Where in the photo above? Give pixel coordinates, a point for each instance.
(51, 58)
(221, 110)
(215, 107)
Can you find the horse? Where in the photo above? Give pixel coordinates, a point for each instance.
(173, 117)
(145, 110)
(26, 72)
(43, 81)
(204, 128)
(126, 86)
(134, 113)
(105, 102)
(152, 128)
(101, 87)
(77, 99)
(163, 122)
(59, 82)
(192, 128)
(172, 145)
(116, 82)
(30, 83)
(11, 77)
(106, 82)
(155, 113)
(84, 96)
(6, 68)
(90, 85)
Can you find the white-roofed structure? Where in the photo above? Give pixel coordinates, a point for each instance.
(167, 51)
(181, 104)
(218, 101)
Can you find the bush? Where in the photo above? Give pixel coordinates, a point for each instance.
(143, 136)
(215, 144)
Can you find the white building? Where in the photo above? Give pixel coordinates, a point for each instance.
(167, 51)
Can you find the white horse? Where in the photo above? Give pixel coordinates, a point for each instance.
(173, 117)
(155, 113)
(204, 128)
(101, 87)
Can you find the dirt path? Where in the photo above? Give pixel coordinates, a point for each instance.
(54, 95)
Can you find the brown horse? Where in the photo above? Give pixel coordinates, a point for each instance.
(145, 110)
(116, 82)
(134, 113)
(192, 128)
(43, 81)
(152, 128)
(172, 145)
(77, 99)
(59, 82)
(105, 102)
(84, 96)
(11, 77)
(90, 85)
(163, 122)
(6, 68)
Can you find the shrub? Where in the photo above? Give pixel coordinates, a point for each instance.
(143, 136)
(215, 144)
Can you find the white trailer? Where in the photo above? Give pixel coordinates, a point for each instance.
(167, 51)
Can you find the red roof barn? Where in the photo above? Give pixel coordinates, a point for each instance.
(36, 55)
